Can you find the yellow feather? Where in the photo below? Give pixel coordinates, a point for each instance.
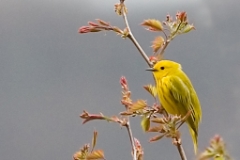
(177, 95)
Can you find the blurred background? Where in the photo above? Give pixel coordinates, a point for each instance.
(49, 74)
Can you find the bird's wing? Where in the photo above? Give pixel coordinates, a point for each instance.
(196, 105)
(180, 93)
(177, 89)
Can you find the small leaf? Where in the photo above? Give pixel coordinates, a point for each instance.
(182, 16)
(153, 25)
(155, 128)
(84, 29)
(157, 43)
(219, 157)
(145, 123)
(188, 28)
(103, 23)
(93, 24)
(95, 30)
(151, 89)
(78, 156)
(216, 150)
(97, 154)
(119, 8)
(123, 81)
(117, 30)
(137, 144)
(140, 104)
(94, 140)
(206, 155)
(125, 33)
(153, 59)
(126, 113)
(139, 149)
(89, 117)
(156, 138)
(158, 120)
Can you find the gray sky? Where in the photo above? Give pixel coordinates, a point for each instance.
(50, 73)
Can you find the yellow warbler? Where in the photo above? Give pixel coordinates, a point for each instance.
(177, 95)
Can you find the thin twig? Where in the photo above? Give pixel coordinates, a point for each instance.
(132, 38)
(131, 140)
(180, 149)
(168, 40)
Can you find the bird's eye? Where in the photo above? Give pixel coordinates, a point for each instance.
(162, 68)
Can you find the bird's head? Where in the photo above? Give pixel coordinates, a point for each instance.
(163, 68)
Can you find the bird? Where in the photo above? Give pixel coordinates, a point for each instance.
(177, 94)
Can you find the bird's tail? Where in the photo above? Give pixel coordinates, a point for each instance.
(194, 136)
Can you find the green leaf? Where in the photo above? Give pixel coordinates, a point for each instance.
(97, 154)
(140, 104)
(145, 123)
(188, 28)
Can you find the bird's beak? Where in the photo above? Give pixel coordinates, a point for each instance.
(151, 69)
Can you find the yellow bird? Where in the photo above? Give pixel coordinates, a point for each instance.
(177, 95)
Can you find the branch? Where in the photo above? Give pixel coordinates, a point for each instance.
(180, 149)
(132, 38)
(131, 140)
